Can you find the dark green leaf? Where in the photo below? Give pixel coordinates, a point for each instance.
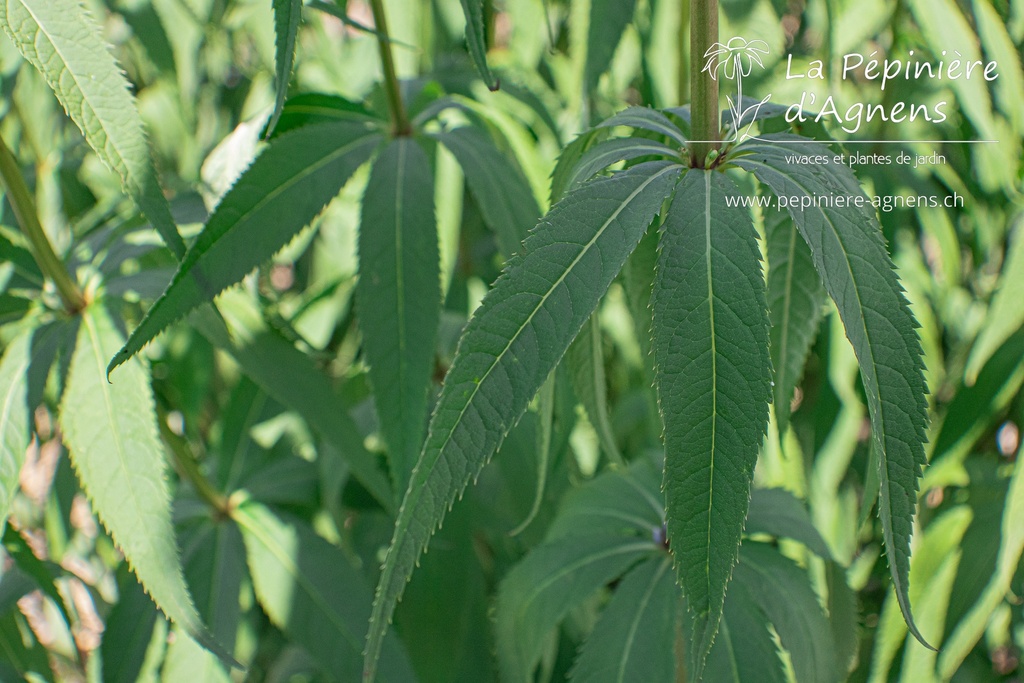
(287, 14)
(111, 432)
(476, 40)
(608, 21)
(796, 301)
(312, 592)
(647, 119)
(516, 338)
(635, 637)
(128, 631)
(854, 265)
(744, 649)
(42, 573)
(714, 383)
(65, 45)
(604, 154)
(586, 360)
(281, 193)
(502, 193)
(784, 592)
(312, 108)
(779, 513)
(537, 594)
(399, 296)
(843, 616)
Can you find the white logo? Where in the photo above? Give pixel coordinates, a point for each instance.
(735, 60)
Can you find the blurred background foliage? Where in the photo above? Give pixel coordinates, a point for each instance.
(203, 73)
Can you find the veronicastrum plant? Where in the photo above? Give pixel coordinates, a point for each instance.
(710, 334)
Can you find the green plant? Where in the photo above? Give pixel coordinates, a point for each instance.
(690, 444)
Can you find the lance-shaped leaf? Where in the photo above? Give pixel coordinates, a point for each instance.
(850, 255)
(311, 591)
(586, 361)
(635, 637)
(608, 21)
(476, 40)
(795, 305)
(537, 594)
(605, 153)
(744, 648)
(111, 433)
(502, 193)
(714, 384)
(60, 40)
(779, 513)
(287, 14)
(1005, 315)
(647, 119)
(281, 193)
(399, 296)
(511, 345)
(15, 417)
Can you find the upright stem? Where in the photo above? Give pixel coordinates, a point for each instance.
(399, 117)
(25, 213)
(704, 102)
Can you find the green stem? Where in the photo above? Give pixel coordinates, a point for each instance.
(187, 467)
(25, 213)
(399, 117)
(704, 104)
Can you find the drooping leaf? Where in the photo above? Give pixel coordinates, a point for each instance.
(291, 377)
(569, 157)
(779, 513)
(502, 193)
(476, 40)
(854, 265)
(795, 306)
(15, 417)
(586, 361)
(281, 193)
(999, 47)
(786, 597)
(539, 591)
(634, 638)
(60, 40)
(128, 630)
(608, 21)
(312, 108)
(647, 119)
(311, 591)
(399, 296)
(545, 415)
(627, 502)
(287, 14)
(714, 384)
(1005, 315)
(604, 154)
(111, 433)
(518, 335)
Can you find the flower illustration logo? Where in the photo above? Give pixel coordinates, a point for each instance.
(735, 60)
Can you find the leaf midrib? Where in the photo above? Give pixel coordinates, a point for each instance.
(635, 625)
(403, 361)
(714, 375)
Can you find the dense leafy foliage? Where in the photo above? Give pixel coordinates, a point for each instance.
(462, 279)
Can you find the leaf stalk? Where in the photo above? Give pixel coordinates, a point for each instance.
(399, 117)
(704, 87)
(187, 467)
(28, 219)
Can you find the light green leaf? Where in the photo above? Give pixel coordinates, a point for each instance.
(972, 627)
(399, 296)
(502, 193)
(1006, 314)
(999, 47)
(604, 154)
(586, 361)
(783, 591)
(714, 384)
(291, 377)
(854, 265)
(777, 512)
(15, 417)
(608, 21)
(476, 40)
(187, 662)
(311, 591)
(111, 433)
(634, 639)
(536, 595)
(796, 302)
(518, 335)
(60, 40)
(282, 192)
(287, 14)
